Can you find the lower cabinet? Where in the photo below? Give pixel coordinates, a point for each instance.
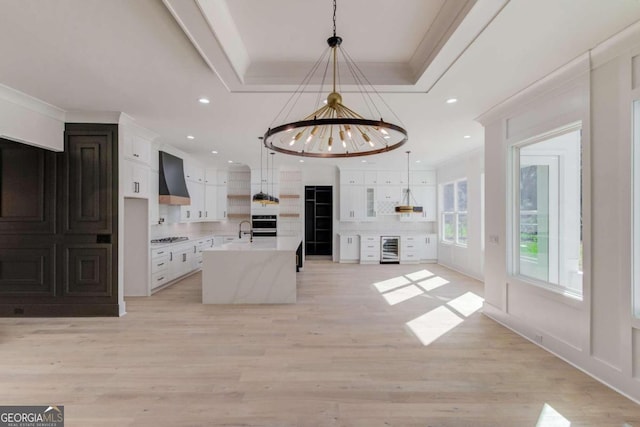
(410, 249)
(369, 249)
(173, 261)
(349, 248)
(429, 247)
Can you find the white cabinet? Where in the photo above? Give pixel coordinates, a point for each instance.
(391, 178)
(154, 207)
(352, 201)
(369, 249)
(349, 248)
(193, 172)
(210, 202)
(388, 197)
(370, 207)
(423, 178)
(410, 249)
(195, 211)
(136, 180)
(221, 201)
(370, 178)
(429, 247)
(136, 148)
(159, 267)
(180, 260)
(425, 196)
(351, 177)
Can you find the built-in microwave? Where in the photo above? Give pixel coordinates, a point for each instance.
(264, 225)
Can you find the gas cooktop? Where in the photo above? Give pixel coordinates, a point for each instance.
(170, 239)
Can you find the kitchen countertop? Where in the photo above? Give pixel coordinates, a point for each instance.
(280, 243)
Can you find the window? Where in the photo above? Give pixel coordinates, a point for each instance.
(454, 212)
(636, 209)
(547, 211)
(448, 213)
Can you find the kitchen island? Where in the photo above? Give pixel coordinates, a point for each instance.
(258, 272)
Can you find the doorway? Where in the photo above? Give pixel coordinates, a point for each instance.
(318, 223)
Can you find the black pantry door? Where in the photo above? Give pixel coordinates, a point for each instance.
(58, 226)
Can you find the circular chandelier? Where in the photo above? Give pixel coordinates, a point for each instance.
(333, 129)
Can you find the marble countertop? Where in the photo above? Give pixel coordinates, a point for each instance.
(280, 243)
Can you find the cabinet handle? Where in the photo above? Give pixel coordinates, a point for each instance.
(194, 249)
(206, 214)
(160, 253)
(188, 214)
(170, 256)
(160, 278)
(162, 263)
(184, 257)
(199, 214)
(135, 155)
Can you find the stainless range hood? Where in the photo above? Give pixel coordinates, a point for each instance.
(173, 187)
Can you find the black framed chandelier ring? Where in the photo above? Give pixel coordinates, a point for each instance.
(307, 126)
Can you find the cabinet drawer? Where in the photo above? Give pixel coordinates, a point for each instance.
(159, 279)
(368, 256)
(371, 239)
(159, 263)
(155, 253)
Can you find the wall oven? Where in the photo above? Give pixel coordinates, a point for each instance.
(389, 249)
(264, 225)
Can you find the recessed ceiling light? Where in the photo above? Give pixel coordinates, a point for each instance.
(418, 161)
(364, 161)
(203, 100)
(214, 152)
(467, 136)
(229, 161)
(452, 101)
(301, 161)
(386, 137)
(191, 137)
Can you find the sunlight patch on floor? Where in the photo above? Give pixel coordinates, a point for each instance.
(419, 275)
(549, 417)
(402, 294)
(433, 283)
(390, 284)
(434, 324)
(466, 304)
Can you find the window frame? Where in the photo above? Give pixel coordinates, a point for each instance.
(455, 213)
(513, 209)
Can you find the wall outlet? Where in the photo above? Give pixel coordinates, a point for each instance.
(494, 239)
(538, 338)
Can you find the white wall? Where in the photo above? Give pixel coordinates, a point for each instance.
(467, 259)
(596, 333)
(30, 121)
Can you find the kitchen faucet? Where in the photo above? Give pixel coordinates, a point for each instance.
(250, 232)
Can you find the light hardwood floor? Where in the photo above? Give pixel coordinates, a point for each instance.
(344, 355)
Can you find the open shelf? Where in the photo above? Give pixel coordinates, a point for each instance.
(289, 196)
(238, 196)
(290, 215)
(238, 215)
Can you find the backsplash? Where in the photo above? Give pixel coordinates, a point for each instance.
(194, 229)
(393, 225)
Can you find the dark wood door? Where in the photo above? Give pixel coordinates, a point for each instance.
(58, 240)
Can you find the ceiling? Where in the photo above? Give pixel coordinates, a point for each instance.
(153, 59)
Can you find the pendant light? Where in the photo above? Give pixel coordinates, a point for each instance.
(272, 198)
(407, 207)
(333, 129)
(261, 196)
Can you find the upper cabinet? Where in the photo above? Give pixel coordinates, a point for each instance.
(368, 195)
(423, 178)
(137, 148)
(391, 178)
(351, 177)
(193, 172)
